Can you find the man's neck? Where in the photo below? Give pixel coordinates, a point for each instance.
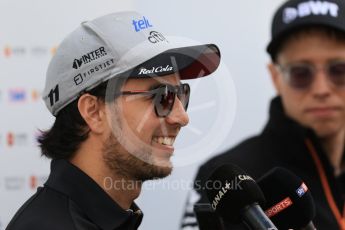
(334, 147)
(122, 190)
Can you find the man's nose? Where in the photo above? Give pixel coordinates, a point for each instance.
(321, 87)
(178, 114)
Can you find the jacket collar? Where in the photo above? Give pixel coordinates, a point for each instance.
(280, 121)
(90, 197)
(293, 135)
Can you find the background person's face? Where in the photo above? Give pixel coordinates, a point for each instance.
(322, 105)
(142, 142)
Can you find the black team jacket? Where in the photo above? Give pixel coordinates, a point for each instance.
(283, 143)
(71, 200)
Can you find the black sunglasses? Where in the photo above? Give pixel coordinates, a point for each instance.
(164, 97)
(301, 76)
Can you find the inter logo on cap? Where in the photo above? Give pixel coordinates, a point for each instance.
(308, 8)
(89, 57)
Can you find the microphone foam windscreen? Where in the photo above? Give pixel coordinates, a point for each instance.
(229, 190)
(289, 203)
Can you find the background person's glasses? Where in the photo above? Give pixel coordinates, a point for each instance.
(164, 97)
(302, 75)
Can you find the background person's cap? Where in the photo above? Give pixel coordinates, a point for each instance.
(124, 44)
(296, 14)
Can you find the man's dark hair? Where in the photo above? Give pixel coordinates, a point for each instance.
(335, 34)
(70, 129)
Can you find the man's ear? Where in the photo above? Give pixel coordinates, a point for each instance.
(92, 111)
(275, 77)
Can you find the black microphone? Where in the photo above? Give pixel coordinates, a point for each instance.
(236, 197)
(288, 200)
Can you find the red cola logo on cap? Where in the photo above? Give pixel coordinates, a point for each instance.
(159, 69)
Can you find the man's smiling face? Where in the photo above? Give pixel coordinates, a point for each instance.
(140, 143)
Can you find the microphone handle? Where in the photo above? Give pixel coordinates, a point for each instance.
(310, 226)
(255, 218)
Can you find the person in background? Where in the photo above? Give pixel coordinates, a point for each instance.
(305, 132)
(114, 86)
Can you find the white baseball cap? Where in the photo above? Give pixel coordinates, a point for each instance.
(124, 44)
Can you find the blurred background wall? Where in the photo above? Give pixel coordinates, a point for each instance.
(225, 108)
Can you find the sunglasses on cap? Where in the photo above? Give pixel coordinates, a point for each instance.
(302, 75)
(164, 97)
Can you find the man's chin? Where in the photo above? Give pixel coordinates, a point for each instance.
(159, 171)
(326, 130)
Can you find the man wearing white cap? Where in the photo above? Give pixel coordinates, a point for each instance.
(114, 88)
